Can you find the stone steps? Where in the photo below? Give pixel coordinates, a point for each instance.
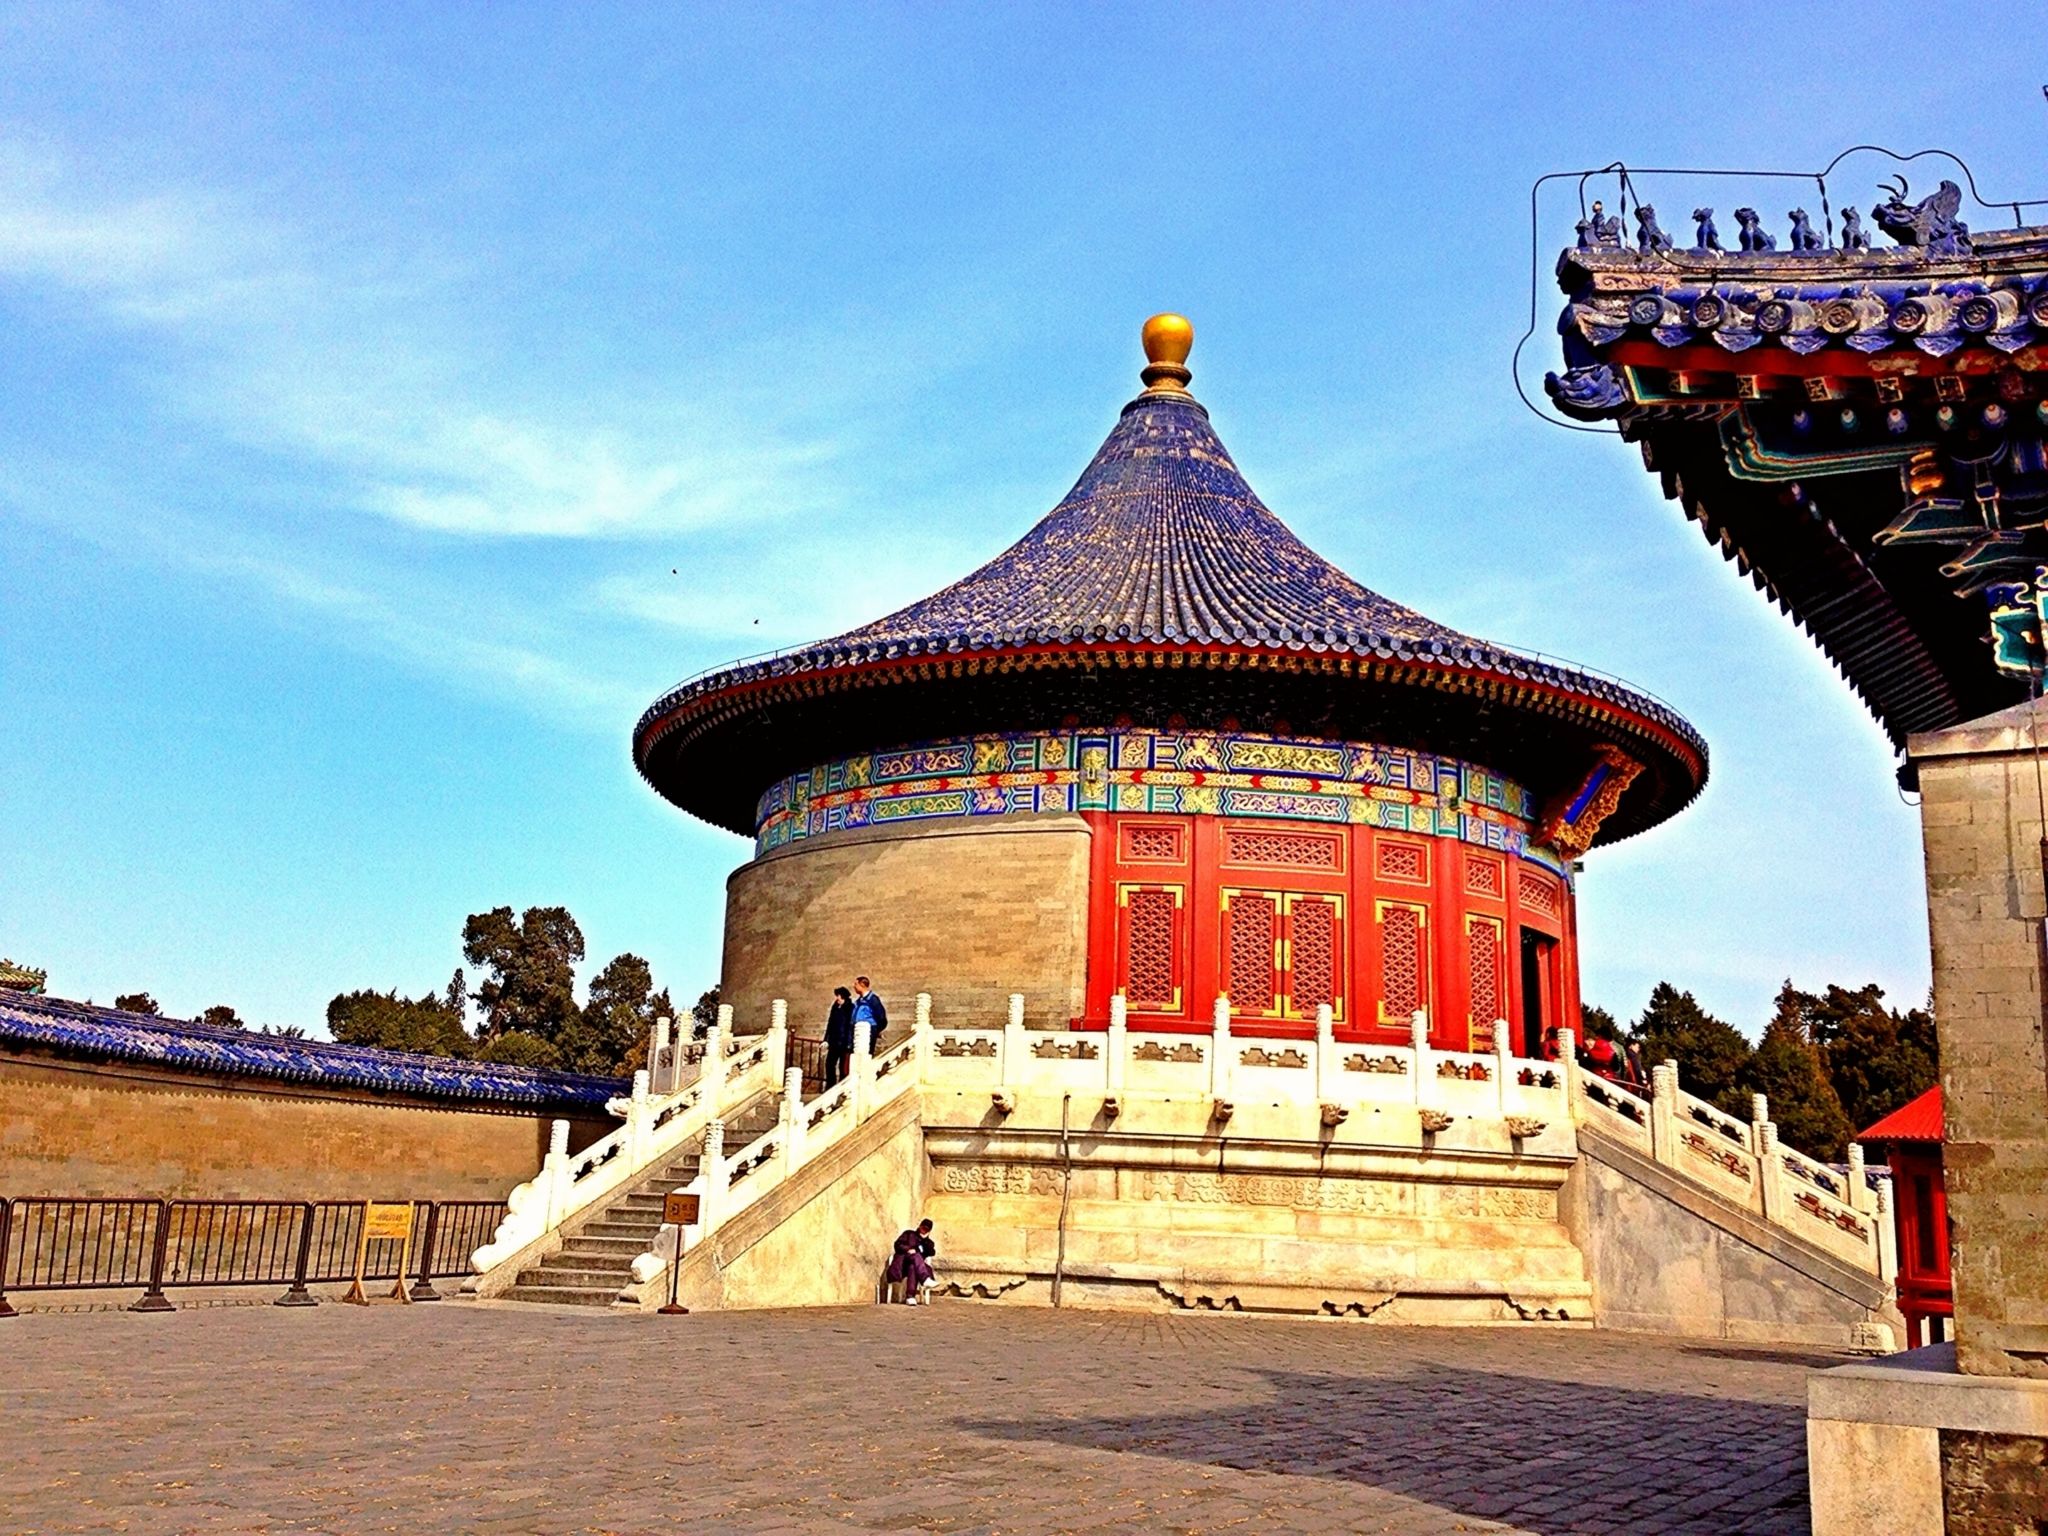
(595, 1260)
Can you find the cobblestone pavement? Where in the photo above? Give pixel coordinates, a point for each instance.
(954, 1418)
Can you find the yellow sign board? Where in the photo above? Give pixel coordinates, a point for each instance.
(383, 1222)
(387, 1223)
(679, 1210)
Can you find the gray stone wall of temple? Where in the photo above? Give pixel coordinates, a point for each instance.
(969, 913)
(1982, 788)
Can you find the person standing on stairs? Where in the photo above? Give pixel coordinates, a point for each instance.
(868, 1012)
(838, 1037)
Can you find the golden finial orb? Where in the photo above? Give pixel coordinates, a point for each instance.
(1167, 340)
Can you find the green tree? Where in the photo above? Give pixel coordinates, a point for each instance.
(609, 1034)
(1876, 1057)
(1786, 1067)
(704, 1012)
(532, 966)
(137, 1002)
(394, 1023)
(1710, 1052)
(221, 1016)
(516, 1048)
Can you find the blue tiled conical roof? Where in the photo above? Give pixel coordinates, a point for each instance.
(1160, 585)
(1159, 540)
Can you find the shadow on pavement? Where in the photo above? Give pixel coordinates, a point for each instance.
(1546, 1456)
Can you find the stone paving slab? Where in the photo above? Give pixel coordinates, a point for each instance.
(959, 1418)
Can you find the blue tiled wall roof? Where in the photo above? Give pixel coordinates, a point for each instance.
(109, 1034)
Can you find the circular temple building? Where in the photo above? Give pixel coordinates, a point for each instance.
(1161, 747)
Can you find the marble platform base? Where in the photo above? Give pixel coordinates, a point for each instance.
(1908, 1446)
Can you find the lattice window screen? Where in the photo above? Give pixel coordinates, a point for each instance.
(1483, 877)
(1483, 944)
(1401, 964)
(1401, 861)
(1287, 850)
(1151, 979)
(1312, 954)
(1156, 843)
(1251, 925)
(1539, 894)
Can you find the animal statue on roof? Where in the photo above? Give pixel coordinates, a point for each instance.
(1803, 237)
(1598, 232)
(1930, 223)
(1754, 236)
(1708, 238)
(1854, 236)
(1648, 236)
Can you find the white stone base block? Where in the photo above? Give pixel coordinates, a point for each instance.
(1871, 1478)
(1874, 1440)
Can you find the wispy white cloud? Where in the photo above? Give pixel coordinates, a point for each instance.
(442, 633)
(355, 359)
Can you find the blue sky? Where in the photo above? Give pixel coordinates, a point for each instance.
(392, 403)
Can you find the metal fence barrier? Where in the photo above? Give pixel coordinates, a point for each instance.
(60, 1243)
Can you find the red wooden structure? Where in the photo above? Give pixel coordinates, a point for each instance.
(1910, 1139)
(1285, 916)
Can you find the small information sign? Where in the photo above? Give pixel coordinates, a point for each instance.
(387, 1223)
(679, 1210)
(384, 1221)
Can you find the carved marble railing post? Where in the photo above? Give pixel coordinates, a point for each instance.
(1759, 1113)
(861, 1079)
(1424, 1069)
(1327, 1073)
(1220, 1051)
(1117, 1048)
(660, 1076)
(778, 1037)
(792, 1117)
(921, 1023)
(639, 1119)
(1568, 1069)
(1770, 1172)
(1884, 1234)
(1503, 1065)
(1664, 1112)
(1013, 1044)
(717, 1178)
(554, 1173)
(1859, 1191)
(712, 1073)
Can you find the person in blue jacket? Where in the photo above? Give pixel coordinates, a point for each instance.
(868, 1012)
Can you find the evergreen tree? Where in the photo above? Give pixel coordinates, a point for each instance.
(1786, 1068)
(1596, 1022)
(610, 1032)
(704, 1013)
(137, 1002)
(532, 965)
(394, 1023)
(221, 1016)
(1876, 1057)
(1710, 1052)
(516, 1048)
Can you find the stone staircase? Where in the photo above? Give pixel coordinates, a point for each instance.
(595, 1261)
